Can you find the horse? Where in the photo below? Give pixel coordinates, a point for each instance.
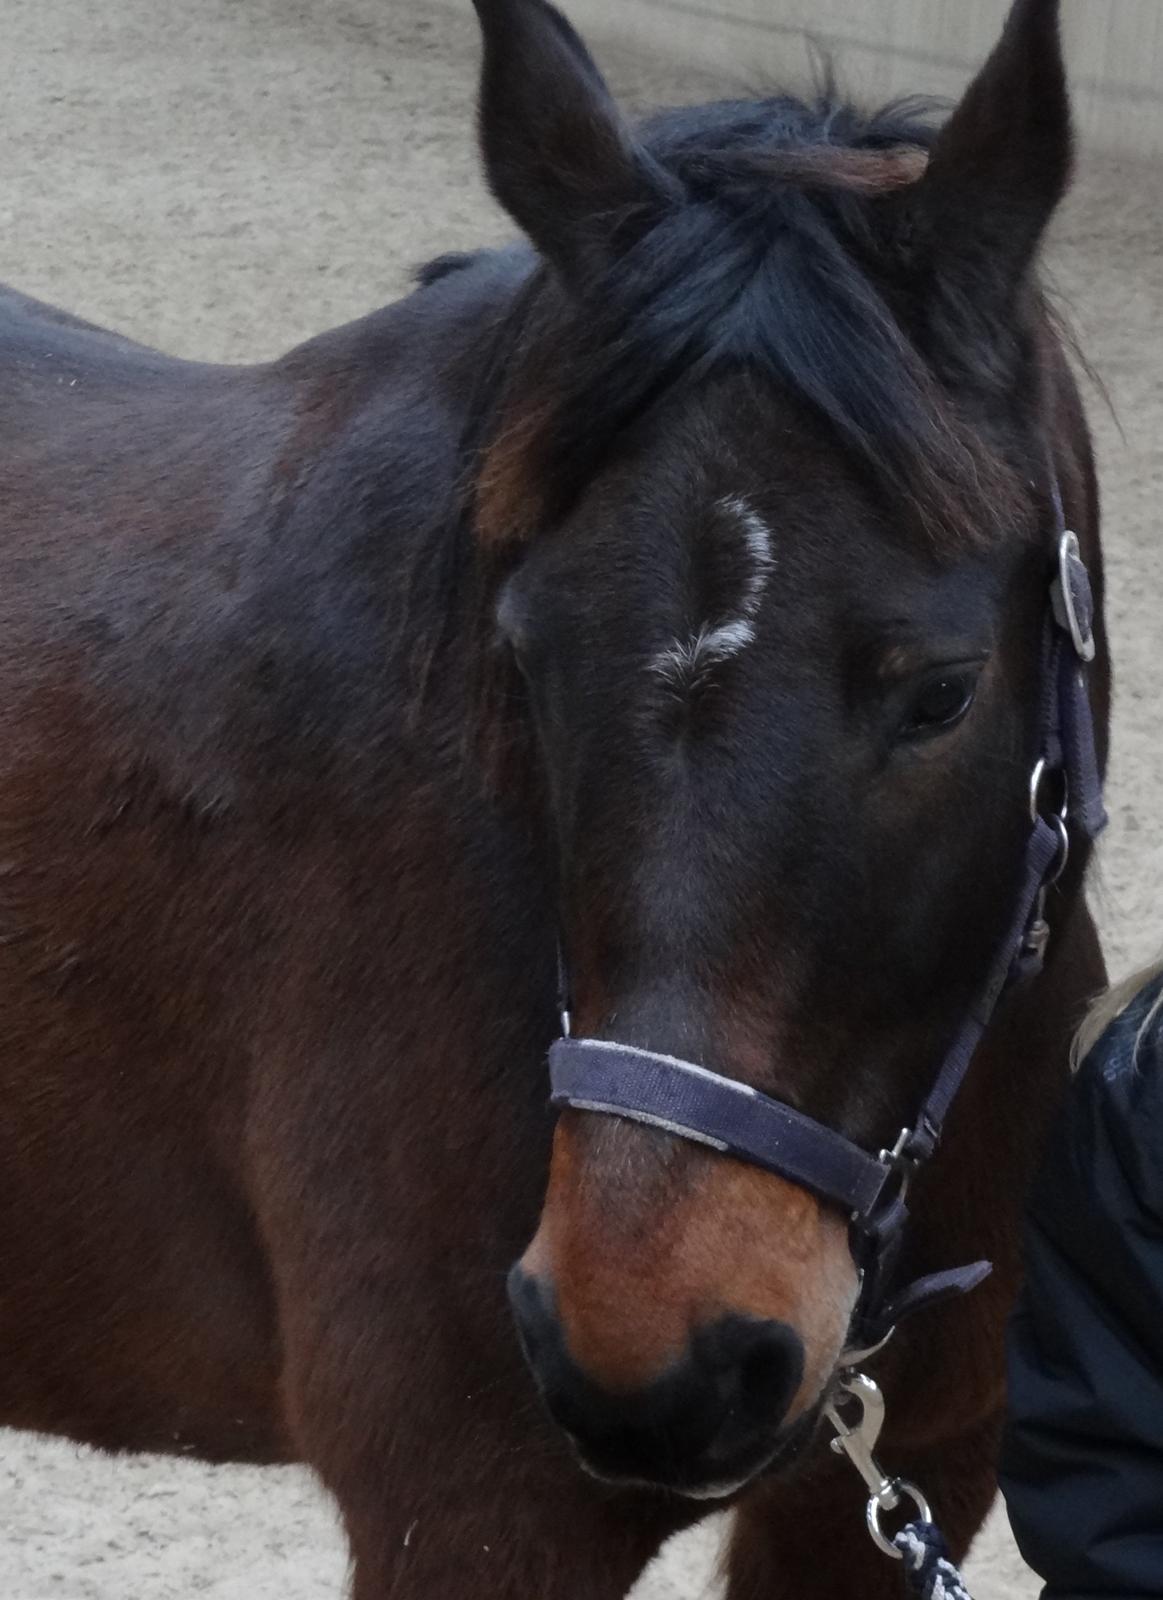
(667, 589)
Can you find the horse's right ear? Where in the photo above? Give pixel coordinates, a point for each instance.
(1002, 163)
(559, 155)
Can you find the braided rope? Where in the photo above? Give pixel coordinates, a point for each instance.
(929, 1573)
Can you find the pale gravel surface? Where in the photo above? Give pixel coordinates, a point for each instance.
(225, 178)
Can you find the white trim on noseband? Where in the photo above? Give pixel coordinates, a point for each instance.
(683, 662)
(663, 1124)
(692, 1068)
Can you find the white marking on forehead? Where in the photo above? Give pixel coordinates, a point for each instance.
(687, 660)
(757, 535)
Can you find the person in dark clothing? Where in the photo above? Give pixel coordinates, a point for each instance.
(1082, 1465)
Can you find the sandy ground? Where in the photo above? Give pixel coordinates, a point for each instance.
(226, 178)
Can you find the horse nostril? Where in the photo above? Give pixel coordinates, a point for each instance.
(758, 1365)
(772, 1371)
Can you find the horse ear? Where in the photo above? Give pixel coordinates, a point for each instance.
(1002, 163)
(559, 156)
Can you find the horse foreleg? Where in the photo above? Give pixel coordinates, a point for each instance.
(499, 1541)
(450, 1484)
(483, 1529)
(809, 1542)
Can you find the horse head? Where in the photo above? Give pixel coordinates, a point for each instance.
(771, 487)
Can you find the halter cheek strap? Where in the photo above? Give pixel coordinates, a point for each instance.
(692, 1102)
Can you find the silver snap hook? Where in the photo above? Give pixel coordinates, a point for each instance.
(856, 1438)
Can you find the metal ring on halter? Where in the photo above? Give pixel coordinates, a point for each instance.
(889, 1499)
(1037, 778)
(1063, 856)
(1056, 819)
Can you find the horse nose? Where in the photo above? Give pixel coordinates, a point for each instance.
(706, 1424)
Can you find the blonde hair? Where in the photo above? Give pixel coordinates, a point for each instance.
(1112, 1004)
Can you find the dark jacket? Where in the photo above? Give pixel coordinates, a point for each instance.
(1082, 1468)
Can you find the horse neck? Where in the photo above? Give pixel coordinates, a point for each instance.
(374, 593)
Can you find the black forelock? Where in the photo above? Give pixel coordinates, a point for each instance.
(769, 264)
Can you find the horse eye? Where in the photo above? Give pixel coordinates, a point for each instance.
(941, 702)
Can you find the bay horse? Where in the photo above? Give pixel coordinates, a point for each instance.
(669, 585)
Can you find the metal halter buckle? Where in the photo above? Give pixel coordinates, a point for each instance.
(902, 1161)
(1063, 601)
(857, 1440)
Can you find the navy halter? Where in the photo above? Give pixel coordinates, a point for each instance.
(695, 1103)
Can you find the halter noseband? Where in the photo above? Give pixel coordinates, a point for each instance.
(695, 1103)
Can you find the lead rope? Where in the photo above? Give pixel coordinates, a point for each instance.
(856, 1411)
(928, 1571)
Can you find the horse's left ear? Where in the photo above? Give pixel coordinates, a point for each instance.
(559, 155)
(1001, 164)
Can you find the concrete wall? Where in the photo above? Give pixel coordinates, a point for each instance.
(890, 47)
